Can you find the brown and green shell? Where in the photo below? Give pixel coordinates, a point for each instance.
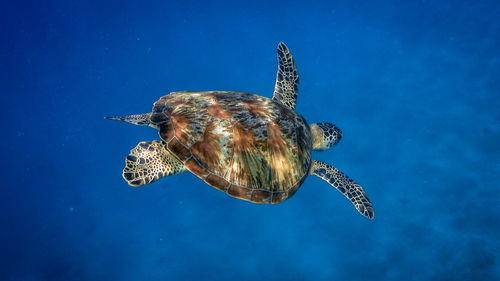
(246, 145)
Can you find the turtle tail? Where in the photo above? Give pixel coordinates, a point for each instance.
(137, 119)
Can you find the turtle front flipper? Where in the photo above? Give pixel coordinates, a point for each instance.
(287, 78)
(148, 162)
(353, 191)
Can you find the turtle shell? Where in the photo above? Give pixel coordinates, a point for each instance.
(246, 145)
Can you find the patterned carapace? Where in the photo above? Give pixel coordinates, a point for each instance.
(247, 145)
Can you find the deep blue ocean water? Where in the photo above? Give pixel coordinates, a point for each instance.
(414, 85)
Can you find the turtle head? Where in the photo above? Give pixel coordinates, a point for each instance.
(325, 135)
(138, 119)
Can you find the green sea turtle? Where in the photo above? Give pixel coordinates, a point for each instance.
(248, 146)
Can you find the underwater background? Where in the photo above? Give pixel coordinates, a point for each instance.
(414, 86)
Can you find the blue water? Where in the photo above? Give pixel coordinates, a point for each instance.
(414, 85)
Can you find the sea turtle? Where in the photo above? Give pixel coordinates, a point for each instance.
(248, 146)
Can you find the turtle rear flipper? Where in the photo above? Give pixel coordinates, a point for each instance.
(353, 191)
(148, 162)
